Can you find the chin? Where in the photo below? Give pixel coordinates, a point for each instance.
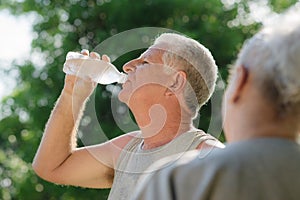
(123, 97)
(126, 97)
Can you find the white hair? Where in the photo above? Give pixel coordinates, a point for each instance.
(274, 56)
(187, 54)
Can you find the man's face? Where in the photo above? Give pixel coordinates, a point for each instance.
(147, 80)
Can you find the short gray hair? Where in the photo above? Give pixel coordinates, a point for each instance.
(274, 56)
(187, 54)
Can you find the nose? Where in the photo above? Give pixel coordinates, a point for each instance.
(130, 66)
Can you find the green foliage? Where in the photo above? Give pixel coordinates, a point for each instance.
(72, 25)
(279, 5)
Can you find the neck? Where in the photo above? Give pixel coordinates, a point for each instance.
(264, 131)
(165, 135)
(259, 121)
(160, 125)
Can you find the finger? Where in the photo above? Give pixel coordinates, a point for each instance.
(105, 58)
(94, 55)
(85, 52)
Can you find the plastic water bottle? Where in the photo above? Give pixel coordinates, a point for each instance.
(92, 69)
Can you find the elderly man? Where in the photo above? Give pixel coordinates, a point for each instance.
(261, 124)
(166, 87)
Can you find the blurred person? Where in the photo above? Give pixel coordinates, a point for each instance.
(261, 114)
(165, 89)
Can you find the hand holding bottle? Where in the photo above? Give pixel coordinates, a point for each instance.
(79, 86)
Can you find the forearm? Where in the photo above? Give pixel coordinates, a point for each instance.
(59, 139)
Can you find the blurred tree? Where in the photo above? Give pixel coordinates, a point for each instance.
(72, 25)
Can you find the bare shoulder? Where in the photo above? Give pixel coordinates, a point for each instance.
(210, 142)
(123, 140)
(111, 149)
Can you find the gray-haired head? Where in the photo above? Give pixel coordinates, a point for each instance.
(273, 54)
(186, 54)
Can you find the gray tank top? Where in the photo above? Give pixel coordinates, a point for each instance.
(134, 161)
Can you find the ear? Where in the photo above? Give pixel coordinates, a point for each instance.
(178, 83)
(240, 81)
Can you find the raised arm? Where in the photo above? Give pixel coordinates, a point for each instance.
(58, 159)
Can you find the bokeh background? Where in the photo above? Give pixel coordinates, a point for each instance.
(35, 80)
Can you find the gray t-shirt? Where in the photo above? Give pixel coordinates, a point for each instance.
(258, 169)
(134, 161)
